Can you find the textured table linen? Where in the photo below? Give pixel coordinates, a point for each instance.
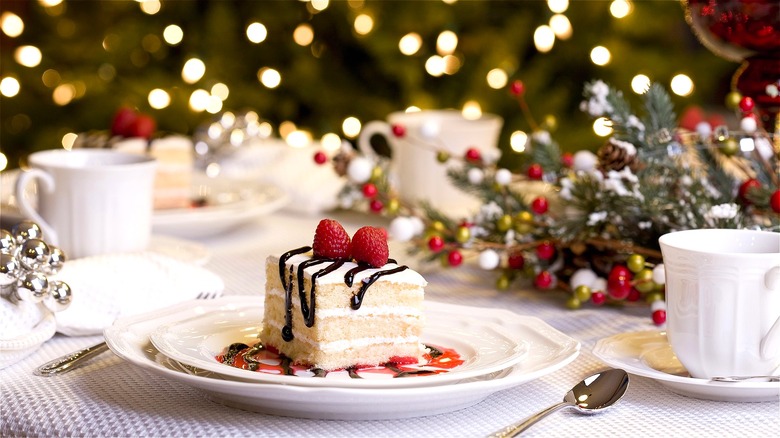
(110, 397)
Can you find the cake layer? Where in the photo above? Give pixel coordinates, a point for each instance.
(372, 320)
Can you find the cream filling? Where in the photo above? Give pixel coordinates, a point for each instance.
(348, 311)
(344, 344)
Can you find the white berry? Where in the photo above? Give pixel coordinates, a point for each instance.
(503, 177)
(475, 175)
(659, 275)
(489, 259)
(584, 161)
(583, 277)
(600, 284)
(658, 305)
(359, 170)
(418, 224)
(704, 129)
(402, 229)
(748, 124)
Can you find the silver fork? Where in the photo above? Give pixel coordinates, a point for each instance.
(73, 360)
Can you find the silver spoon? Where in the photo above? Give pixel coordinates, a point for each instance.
(593, 394)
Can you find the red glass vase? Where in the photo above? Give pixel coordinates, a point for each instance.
(746, 31)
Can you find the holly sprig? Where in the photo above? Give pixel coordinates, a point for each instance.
(594, 232)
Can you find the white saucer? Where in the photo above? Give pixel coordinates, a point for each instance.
(649, 354)
(548, 351)
(228, 203)
(483, 347)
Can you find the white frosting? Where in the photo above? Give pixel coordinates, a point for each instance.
(362, 311)
(406, 276)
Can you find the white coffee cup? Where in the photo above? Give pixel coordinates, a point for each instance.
(723, 301)
(415, 171)
(90, 201)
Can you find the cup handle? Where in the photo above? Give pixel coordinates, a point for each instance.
(24, 179)
(375, 127)
(770, 345)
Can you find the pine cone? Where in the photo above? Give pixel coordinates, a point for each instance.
(614, 155)
(341, 162)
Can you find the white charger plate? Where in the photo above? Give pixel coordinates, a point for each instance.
(481, 345)
(228, 203)
(548, 351)
(649, 354)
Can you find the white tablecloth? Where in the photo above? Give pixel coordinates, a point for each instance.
(109, 397)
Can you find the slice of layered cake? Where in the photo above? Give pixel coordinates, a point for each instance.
(343, 304)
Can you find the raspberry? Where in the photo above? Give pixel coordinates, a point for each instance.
(331, 241)
(369, 245)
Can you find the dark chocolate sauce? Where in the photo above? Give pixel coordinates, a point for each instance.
(308, 306)
(357, 300)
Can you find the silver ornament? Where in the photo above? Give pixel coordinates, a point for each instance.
(34, 254)
(26, 230)
(7, 242)
(56, 260)
(32, 287)
(9, 269)
(59, 296)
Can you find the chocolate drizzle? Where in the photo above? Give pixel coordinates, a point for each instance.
(308, 306)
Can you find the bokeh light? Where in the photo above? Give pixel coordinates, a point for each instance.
(518, 141)
(331, 142)
(602, 127)
(303, 35)
(600, 55)
(68, 140)
(558, 6)
(159, 98)
(640, 84)
(256, 33)
(193, 70)
(173, 34)
(682, 85)
(9, 86)
(561, 26)
(620, 8)
(497, 78)
(364, 24)
(446, 43)
(544, 38)
(199, 100)
(28, 56)
(410, 43)
(351, 127)
(269, 77)
(472, 110)
(11, 24)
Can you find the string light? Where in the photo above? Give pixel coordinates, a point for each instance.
(220, 90)
(561, 26)
(410, 43)
(331, 142)
(199, 100)
(269, 77)
(497, 79)
(682, 85)
(544, 38)
(600, 55)
(303, 35)
(172, 34)
(518, 141)
(9, 86)
(28, 56)
(193, 70)
(11, 24)
(351, 127)
(640, 84)
(434, 66)
(620, 8)
(446, 42)
(364, 24)
(159, 98)
(63, 94)
(256, 33)
(602, 127)
(68, 140)
(472, 110)
(558, 6)
(150, 7)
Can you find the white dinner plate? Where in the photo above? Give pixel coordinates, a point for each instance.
(649, 354)
(227, 203)
(548, 351)
(481, 346)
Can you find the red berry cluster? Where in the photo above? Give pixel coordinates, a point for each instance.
(128, 122)
(368, 244)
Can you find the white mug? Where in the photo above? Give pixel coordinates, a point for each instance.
(90, 201)
(723, 300)
(415, 171)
